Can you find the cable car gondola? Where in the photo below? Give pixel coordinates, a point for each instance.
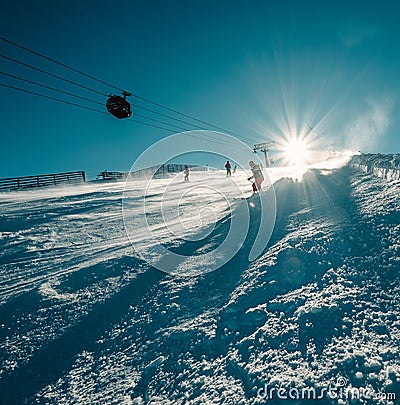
(118, 106)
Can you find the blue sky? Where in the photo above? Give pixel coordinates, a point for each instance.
(257, 68)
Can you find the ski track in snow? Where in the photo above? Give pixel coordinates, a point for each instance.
(84, 321)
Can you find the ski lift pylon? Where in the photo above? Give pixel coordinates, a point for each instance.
(119, 106)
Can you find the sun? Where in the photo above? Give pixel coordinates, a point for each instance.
(296, 152)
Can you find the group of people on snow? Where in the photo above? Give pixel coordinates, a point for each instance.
(257, 176)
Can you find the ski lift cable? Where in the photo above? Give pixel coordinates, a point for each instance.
(78, 71)
(57, 62)
(186, 131)
(150, 125)
(51, 98)
(176, 119)
(169, 130)
(315, 133)
(75, 104)
(160, 122)
(52, 74)
(115, 87)
(86, 99)
(50, 88)
(77, 96)
(78, 105)
(98, 111)
(192, 118)
(166, 116)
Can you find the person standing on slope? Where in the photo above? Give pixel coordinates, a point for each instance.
(228, 169)
(186, 172)
(257, 176)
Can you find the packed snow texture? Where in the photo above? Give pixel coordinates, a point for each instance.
(385, 166)
(83, 320)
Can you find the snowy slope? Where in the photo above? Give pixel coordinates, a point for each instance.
(83, 320)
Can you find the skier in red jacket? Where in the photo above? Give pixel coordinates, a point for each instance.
(257, 176)
(228, 169)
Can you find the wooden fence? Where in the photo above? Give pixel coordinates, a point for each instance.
(43, 180)
(106, 175)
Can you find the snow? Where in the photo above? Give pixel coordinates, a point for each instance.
(84, 319)
(385, 166)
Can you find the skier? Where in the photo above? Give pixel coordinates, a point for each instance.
(228, 169)
(186, 172)
(257, 176)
